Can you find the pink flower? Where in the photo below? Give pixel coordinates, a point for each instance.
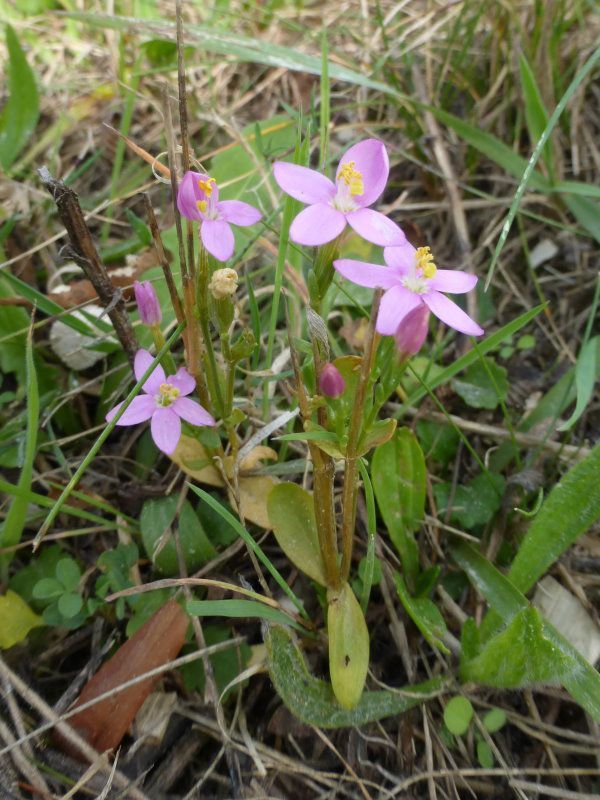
(198, 199)
(411, 279)
(331, 382)
(412, 331)
(360, 179)
(147, 303)
(164, 402)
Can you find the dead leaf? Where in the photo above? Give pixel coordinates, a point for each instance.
(254, 491)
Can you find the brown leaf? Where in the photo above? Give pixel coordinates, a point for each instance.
(254, 491)
(157, 642)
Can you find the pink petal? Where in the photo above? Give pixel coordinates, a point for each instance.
(302, 183)
(238, 213)
(166, 429)
(192, 412)
(217, 237)
(142, 361)
(317, 225)
(453, 281)
(395, 305)
(371, 160)
(375, 227)
(451, 314)
(401, 258)
(188, 196)
(183, 381)
(139, 410)
(365, 274)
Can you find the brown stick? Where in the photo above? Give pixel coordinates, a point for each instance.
(162, 258)
(84, 253)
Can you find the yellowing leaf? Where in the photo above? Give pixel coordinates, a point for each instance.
(16, 620)
(191, 457)
(348, 646)
(254, 490)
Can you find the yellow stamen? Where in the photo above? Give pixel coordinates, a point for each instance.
(425, 263)
(201, 205)
(352, 178)
(167, 394)
(207, 186)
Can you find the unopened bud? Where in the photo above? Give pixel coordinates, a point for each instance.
(223, 283)
(331, 382)
(412, 331)
(147, 303)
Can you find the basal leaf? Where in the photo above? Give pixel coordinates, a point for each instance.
(348, 646)
(312, 700)
(424, 613)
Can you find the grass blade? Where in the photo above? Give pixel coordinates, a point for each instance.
(21, 112)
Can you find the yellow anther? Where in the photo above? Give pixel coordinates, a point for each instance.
(352, 178)
(207, 186)
(425, 263)
(201, 205)
(167, 394)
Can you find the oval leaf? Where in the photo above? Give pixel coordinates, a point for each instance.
(312, 700)
(348, 646)
(292, 516)
(16, 620)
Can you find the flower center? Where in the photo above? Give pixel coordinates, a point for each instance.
(167, 394)
(424, 262)
(352, 178)
(207, 186)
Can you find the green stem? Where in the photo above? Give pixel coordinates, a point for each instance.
(159, 342)
(212, 370)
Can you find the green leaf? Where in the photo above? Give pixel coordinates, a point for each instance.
(521, 655)
(585, 378)
(399, 482)
(474, 503)
(424, 613)
(156, 520)
(583, 682)
(494, 720)
(47, 588)
(14, 522)
(458, 714)
(483, 385)
(312, 700)
(348, 646)
(70, 604)
(68, 573)
(491, 147)
(378, 433)
(292, 515)
(16, 620)
(20, 114)
(227, 664)
(570, 509)
(586, 212)
(484, 754)
(246, 609)
(535, 112)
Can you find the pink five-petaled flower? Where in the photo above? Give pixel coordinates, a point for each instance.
(198, 199)
(360, 179)
(164, 402)
(412, 279)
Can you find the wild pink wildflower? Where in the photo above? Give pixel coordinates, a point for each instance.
(360, 179)
(147, 303)
(412, 279)
(331, 382)
(198, 199)
(164, 402)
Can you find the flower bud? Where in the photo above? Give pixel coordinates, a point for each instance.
(412, 331)
(147, 303)
(331, 382)
(223, 283)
